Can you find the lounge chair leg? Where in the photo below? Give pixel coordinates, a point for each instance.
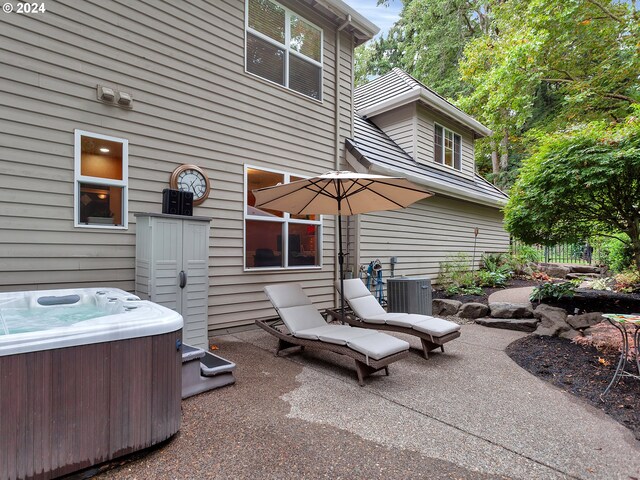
(284, 345)
(364, 371)
(386, 370)
(425, 348)
(442, 348)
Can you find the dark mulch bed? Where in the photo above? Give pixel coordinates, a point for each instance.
(598, 301)
(576, 369)
(512, 283)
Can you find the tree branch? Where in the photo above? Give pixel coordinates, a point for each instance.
(618, 96)
(606, 11)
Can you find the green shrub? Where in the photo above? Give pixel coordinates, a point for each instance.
(485, 278)
(554, 290)
(455, 270)
(456, 290)
(525, 254)
(616, 253)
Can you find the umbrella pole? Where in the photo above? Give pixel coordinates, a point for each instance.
(341, 264)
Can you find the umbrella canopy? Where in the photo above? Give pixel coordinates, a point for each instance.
(340, 193)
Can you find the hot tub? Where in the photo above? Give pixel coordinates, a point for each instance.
(86, 375)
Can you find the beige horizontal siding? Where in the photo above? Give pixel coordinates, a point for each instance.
(426, 119)
(400, 125)
(183, 62)
(428, 232)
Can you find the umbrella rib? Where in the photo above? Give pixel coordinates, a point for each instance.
(364, 187)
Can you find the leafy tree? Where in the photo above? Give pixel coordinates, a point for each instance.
(582, 182)
(428, 42)
(549, 64)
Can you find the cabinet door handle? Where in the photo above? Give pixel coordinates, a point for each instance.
(183, 279)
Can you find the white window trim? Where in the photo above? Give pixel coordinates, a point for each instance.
(107, 182)
(287, 49)
(285, 219)
(442, 163)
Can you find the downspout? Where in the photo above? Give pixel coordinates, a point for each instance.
(336, 121)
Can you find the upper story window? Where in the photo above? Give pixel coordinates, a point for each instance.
(447, 147)
(283, 47)
(274, 239)
(101, 171)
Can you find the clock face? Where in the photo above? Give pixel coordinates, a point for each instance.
(191, 178)
(192, 181)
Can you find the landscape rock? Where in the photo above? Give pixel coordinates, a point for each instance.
(473, 310)
(582, 276)
(557, 271)
(553, 321)
(570, 334)
(584, 269)
(586, 320)
(443, 306)
(521, 325)
(511, 310)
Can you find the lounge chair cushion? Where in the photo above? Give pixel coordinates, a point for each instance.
(285, 295)
(424, 323)
(343, 337)
(314, 333)
(302, 317)
(378, 345)
(436, 327)
(384, 318)
(365, 307)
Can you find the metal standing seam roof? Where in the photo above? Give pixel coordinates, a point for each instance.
(375, 150)
(398, 88)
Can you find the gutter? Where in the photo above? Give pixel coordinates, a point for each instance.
(432, 100)
(438, 187)
(366, 29)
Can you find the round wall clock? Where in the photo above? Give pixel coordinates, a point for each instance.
(191, 178)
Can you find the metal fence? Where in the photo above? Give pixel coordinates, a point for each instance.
(575, 253)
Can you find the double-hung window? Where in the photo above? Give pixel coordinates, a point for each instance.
(274, 239)
(447, 149)
(101, 171)
(283, 47)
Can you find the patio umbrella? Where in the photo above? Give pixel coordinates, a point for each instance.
(340, 193)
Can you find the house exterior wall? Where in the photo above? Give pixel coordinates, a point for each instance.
(431, 230)
(183, 62)
(400, 125)
(426, 119)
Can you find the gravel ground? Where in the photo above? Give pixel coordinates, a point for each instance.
(242, 431)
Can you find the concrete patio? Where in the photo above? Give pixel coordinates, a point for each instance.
(469, 413)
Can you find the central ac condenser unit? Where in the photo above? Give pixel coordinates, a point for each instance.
(409, 295)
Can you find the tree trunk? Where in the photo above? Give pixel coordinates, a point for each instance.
(634, 234)
(495, 166)
(504, 147)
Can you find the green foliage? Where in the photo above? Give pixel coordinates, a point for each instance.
(628, 281)
(581, 182)
(616, 252)
(551, 63)
(524, 254)
(427, 42)
(456, 270)
(459, 290)
(554, 290)
(483, 278)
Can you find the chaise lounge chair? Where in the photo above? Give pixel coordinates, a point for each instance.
(372, 351)
(368, 313)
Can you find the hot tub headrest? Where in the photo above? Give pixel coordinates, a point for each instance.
(59, 300)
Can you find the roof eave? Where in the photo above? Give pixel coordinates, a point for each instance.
(437, 187)
(432, 100)
(363, 29)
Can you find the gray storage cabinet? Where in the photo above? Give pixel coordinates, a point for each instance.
(172, 269)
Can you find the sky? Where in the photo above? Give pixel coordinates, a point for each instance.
(383, 17)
